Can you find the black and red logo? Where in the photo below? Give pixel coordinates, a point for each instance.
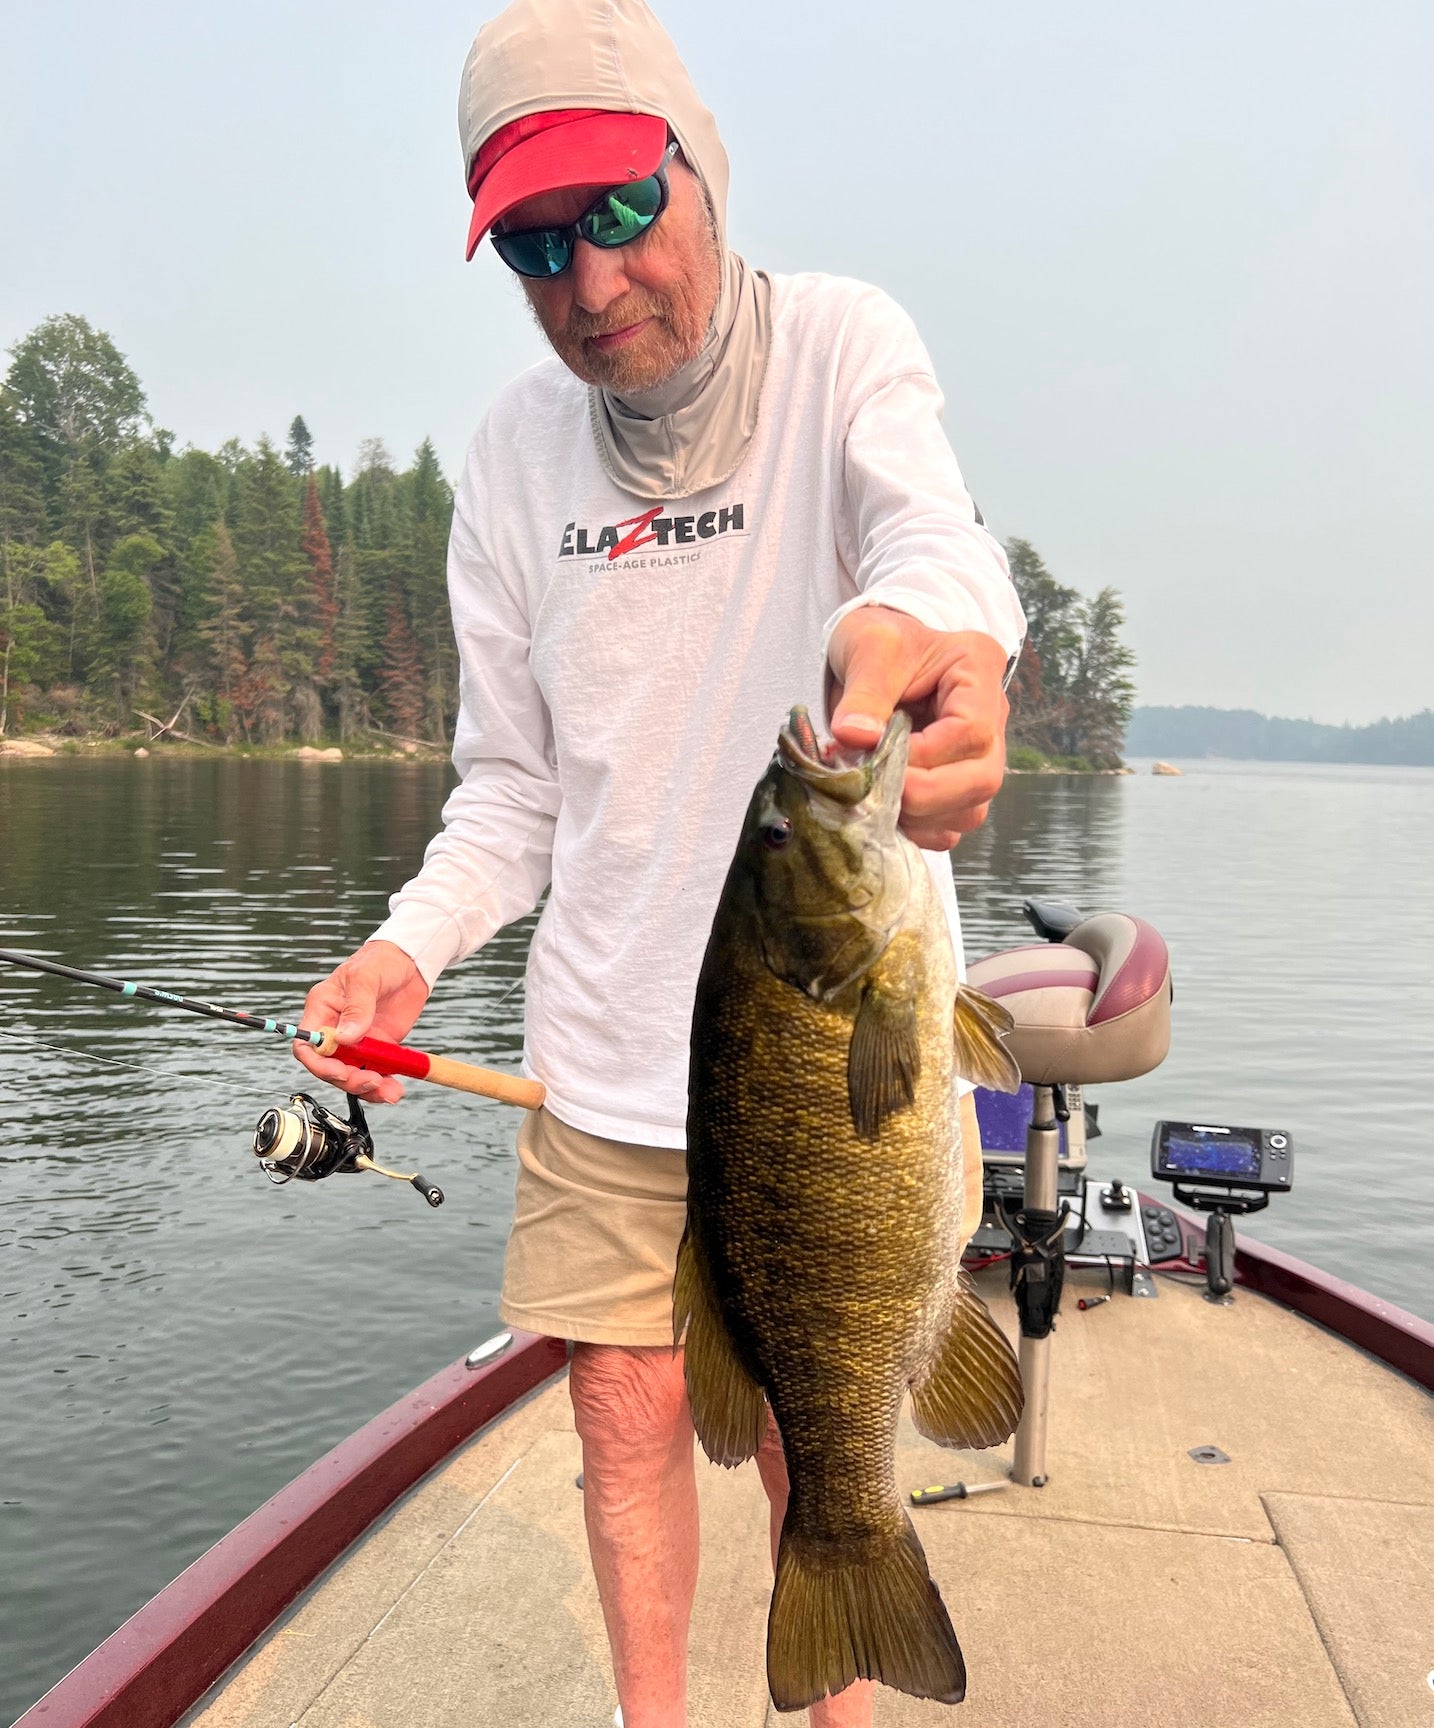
(651, 528)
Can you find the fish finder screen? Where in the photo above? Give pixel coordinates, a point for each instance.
(1212, 1157)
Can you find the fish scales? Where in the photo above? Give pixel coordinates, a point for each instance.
(817, 1268)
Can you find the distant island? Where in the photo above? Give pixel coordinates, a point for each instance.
(1243, 735)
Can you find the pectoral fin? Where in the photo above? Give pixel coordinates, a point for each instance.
(971, 1394)
(980, 1024)
(729, 1411)
(884, 1060)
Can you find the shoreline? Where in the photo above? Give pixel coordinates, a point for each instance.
(43, 746)
(40, 747)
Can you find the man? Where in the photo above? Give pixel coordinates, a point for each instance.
(721, 484)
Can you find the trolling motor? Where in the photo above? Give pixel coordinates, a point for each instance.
(309, 1142)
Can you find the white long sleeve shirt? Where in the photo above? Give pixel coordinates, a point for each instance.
(625, 670)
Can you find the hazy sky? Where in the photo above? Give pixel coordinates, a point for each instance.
(1175, 265)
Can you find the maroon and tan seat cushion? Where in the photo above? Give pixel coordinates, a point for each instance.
(1094, 1007)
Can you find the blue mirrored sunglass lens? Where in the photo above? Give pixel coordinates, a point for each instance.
(540, 252)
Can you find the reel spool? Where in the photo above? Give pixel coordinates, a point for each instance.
(307, 1143)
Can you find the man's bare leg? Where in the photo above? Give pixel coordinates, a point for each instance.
(849, 1709)
(640, 1504)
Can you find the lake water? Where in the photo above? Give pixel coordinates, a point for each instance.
(181, 1339)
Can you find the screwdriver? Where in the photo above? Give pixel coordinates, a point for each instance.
(954, 1491)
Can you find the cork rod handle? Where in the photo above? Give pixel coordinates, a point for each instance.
(487, 1082)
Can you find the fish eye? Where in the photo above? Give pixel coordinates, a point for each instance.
(775, 834)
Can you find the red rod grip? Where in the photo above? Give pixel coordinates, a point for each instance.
(381, 1057)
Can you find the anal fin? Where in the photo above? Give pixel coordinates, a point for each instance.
(971, 1395)
(729, 1410)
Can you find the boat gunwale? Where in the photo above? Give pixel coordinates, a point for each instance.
(163, 1659)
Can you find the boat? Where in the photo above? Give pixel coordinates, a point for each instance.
(1219, 1509)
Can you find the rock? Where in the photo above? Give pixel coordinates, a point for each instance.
(23, 747)
(332, 754)
(410, 749)
(141, 751)
(307, 753)
(1165, 768)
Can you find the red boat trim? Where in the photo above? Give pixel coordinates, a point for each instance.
(165, 1657)
(1382, 1328)
(1385, 1330)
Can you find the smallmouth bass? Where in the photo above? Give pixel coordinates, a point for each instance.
(817, 1267)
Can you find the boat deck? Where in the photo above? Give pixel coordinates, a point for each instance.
(1292, 1585)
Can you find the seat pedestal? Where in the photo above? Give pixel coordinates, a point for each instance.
(1042, 1153)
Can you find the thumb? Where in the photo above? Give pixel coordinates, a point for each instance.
(872, 676)
(360, 999)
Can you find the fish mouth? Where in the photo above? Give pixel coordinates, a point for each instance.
(834, 769)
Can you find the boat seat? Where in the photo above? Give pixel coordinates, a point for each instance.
(1090, 1008)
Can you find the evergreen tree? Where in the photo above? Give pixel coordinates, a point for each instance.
(136, 502)
(1038, 691)
(325, 605)
(401, 675)
(1101, 695)
(36, 585)
(335, 508)
(299, 453)
(350, 696)
(1069, 696)
(125, 649)
(430, 513)
(195, 487)
(222, 630)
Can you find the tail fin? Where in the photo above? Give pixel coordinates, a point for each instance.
(859, 1610)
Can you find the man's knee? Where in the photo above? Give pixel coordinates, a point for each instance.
(630, 1394)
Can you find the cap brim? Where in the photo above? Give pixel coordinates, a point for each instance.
(598, 150)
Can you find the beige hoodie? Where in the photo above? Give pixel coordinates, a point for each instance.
(693, 431)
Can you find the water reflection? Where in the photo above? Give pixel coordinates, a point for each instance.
(1051, 837)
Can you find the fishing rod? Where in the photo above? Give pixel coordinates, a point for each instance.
(377, 1055)
(306, 1141)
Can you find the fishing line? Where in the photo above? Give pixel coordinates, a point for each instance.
(111, 1062)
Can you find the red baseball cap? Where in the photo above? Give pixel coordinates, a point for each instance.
(561, 148)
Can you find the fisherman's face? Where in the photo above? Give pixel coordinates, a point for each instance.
(628, 317)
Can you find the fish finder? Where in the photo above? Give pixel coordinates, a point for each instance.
(1198, 1154)
(1226, 1172)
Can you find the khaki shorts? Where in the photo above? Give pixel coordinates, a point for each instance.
(596, 1226)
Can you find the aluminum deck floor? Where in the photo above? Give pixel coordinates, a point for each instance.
(1292, 1587)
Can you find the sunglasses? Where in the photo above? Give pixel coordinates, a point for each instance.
(620, 215)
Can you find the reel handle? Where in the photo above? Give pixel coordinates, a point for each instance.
(430, 1191)
(382, 1057)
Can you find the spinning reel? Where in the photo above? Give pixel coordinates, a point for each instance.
(306, 1143)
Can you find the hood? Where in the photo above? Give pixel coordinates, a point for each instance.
(692, 432)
